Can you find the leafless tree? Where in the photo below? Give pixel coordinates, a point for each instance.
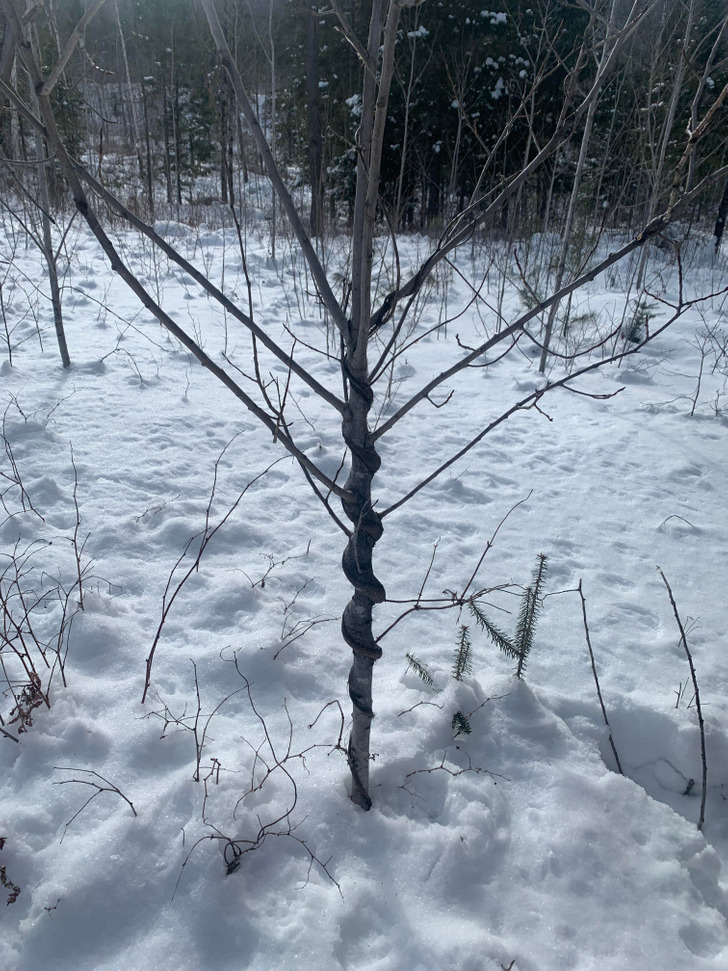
(369, 330)
(38, 221)
(613, 32)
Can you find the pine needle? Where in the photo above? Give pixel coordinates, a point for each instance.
(460, 724)
(462, 661)
(499, 637)
(421, 671)
(531, 607)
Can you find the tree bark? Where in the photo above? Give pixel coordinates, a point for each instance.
(313, 108)
(48, 250)
(132, 108)
(148, 151)
(356, 621)
(720, 221)
(664, 140)
(50, 256)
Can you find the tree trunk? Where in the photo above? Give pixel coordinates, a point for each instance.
(223, 141)
(48, 251)
(177, 147)
(720, 221)
(664, 141)
(315, 139)
(50, 259)
(574, 197)
(566, 235)
(8, 119)
(148, 149)
(356, 621)
(273, 122)
(132, 113)
(167, 144)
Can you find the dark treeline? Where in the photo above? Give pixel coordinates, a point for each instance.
(477, 92)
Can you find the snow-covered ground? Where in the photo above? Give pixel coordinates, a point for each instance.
(518, 846)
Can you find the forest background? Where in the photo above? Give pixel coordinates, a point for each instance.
(475, 94)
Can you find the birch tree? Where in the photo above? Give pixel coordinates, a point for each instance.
(369, 329)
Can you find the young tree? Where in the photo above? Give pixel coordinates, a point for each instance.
(38, 220)
(369, 331)
(611, 35)
(313, 116)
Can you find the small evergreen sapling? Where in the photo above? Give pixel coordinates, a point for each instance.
(531, 607)
(499, 637)
(519, 646)
(462, 661)
(637, 329)
(460, 724)
(421, 671)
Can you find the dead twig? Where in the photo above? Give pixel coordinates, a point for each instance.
(453, 599)
(693, 675)
(596, 678)
(204, 537)
(269, 758)
(109, 787)
(78, 549)
(476, 770)
(12, 888)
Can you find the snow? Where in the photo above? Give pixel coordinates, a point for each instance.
(518, 845)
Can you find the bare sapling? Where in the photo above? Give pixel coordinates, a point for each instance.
(38, 601)
(696, 689)
(191, 556)
(596, 677)
(270, 758)
(368, 314)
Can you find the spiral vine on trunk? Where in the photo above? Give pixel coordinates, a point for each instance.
(356, 621)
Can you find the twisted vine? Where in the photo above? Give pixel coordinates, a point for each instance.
(356, 621)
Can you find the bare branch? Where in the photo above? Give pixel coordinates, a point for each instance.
(317, 270)
(24, 110)
(351, 37)
(653, 228)
(7, 53)
(596, 677)
(463, 227)
(696, 689)
(531, 400)
(70, 46)
(367, 187)
(118, 265)
(209, 287)
(205, 536)
(109, 787)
